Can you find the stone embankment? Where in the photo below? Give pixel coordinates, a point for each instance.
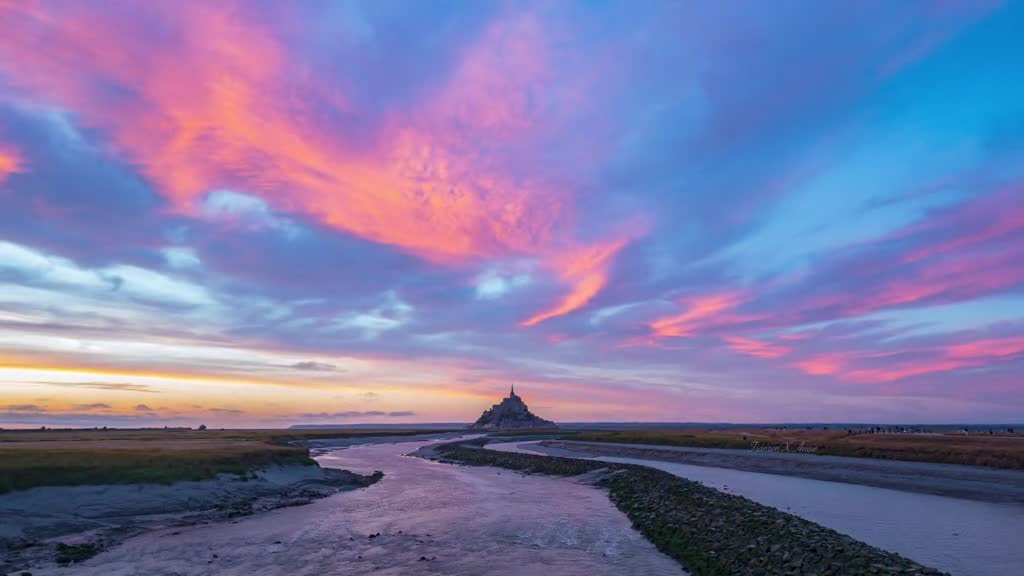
(709, 532)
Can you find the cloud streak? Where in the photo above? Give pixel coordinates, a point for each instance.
(427, 186)
(91, 407)
(108, 386)
(408, 210)
(361, 414)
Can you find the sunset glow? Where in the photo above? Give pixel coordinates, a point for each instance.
(264, 214)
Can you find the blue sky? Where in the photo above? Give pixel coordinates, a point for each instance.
(266, 213)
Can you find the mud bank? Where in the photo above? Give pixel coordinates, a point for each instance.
(68, 524)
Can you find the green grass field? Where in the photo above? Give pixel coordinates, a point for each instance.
(30, 458)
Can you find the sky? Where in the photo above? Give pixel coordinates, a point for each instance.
(259, 213)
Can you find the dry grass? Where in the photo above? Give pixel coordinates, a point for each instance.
(997, 451)
(184, 435)
(30, 458)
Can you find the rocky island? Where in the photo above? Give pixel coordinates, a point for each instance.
(510, 414)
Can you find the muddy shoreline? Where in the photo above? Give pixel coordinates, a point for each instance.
(423, 518)
(956, 481)
(52, 526)
(62, 525)
(707, 531)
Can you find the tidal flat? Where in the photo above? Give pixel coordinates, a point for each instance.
(423, 517)
(962, 536)
(709, 531)
(426, 516)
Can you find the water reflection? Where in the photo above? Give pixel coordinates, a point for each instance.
(959, 536)
(485, 520)
(431, 518)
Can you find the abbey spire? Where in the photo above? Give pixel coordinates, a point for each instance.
(510, 414)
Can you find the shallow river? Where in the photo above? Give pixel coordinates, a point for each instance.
(963, 537)
(461, 520)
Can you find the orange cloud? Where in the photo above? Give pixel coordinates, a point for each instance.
(10, 161)
(703, 311)
(756, 348)
(217, 101)
(586, 269)
(221, 106)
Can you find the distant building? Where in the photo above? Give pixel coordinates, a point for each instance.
(510, 414)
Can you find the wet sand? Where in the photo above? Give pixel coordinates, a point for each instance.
(460, 520)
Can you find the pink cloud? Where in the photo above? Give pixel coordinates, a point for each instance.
(11, 161)
(586, 271)
(220, 101)
(822, 364)
(954, 256)
(756, 348)
(992, 217)
(902, 370)
(702, 311)
(945, 280)
(855, 366)
(989, 348)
